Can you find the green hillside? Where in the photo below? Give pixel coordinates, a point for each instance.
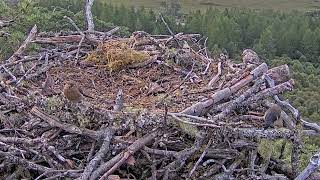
(188, 5)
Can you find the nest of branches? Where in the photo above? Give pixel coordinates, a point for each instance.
(161, 109)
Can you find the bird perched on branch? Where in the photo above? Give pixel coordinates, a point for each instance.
(250, 57)
(272, 117)
(73, 93)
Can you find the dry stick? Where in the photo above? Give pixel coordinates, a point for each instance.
(249, 118)
(296, 151)
(237, 102)
(24, 45)
(193, 123)
(30, 165)
(182, 156)
(206, 48)
(65, 39)
(200, 158)
(207, 68)
(216, 77)
(78, 51)
(75, 26)
(259, 133)
(309, 125)
(253, 156)
(313, 165)
(286, 86)
(40, 71)
(170, 31)
(14, 78)
(89, 16)
(114, 163)
(62, 173)
(91, 151)
(293, 110)
(119, 101)
(25, 75)
(99, 156)
(160, 152)
(206, 52)
(82, 38)
(213, 170)
(65, 126)
(53, 150)
(193, 118)
(16, 140)
(166, 24)
(12, 149)
(201, 108)
(109, 33)
(182, 82)
(25, 59)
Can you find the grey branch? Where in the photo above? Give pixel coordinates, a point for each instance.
(311, 168)
(89, 16)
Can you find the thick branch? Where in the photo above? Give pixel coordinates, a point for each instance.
(202, 107)
(113, 164)
(67, 127)
(89, 16)
(314, 164)
(99, 156)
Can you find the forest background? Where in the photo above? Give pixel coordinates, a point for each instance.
(286, 36)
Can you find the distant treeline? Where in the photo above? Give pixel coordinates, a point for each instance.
(269, 32)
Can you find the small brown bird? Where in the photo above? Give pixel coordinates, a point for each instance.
(272, 117)
(73, 93)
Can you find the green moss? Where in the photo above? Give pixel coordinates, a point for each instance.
(54, 103)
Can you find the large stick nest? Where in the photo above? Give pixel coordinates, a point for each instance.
(160, 108)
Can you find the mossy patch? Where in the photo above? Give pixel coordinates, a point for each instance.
(116, 55)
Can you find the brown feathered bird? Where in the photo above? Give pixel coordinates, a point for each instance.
(272, 117)
(73, 92)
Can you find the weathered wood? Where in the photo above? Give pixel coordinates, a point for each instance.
(89, 15)
(216, 77)
(67, 127)
(313, 165)
(109, 167)
(31, 36)
(280, 74)
(101, 154)
(65, 39)
(201, 108)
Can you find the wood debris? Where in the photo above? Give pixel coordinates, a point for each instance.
(177, 114)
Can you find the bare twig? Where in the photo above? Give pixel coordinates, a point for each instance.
(200, 158)
(24, 45)
(215, 78)
(119, 101)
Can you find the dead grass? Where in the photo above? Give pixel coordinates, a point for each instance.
(116, 55)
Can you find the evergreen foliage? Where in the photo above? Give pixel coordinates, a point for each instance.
(280, 38)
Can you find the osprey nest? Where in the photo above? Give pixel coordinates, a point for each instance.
(161, 108)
